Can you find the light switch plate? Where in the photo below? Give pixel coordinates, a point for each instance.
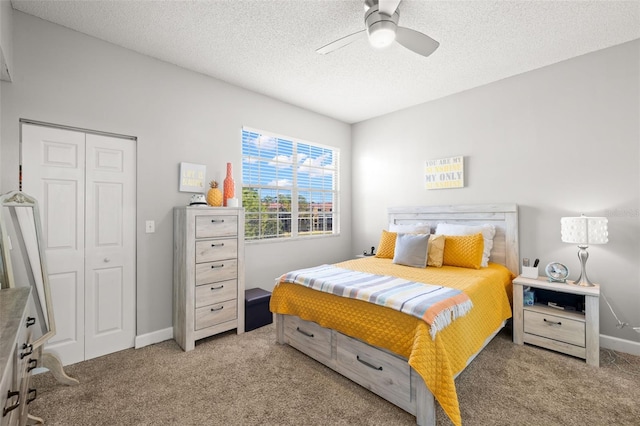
(150, 227)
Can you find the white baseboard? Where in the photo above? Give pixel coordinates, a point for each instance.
(620, 345)
(154, 337)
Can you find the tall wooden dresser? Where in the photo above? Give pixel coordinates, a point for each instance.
(208, 272)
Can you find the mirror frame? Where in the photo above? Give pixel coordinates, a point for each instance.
(20, 199)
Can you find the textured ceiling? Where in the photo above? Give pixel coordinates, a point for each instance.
(268, 46)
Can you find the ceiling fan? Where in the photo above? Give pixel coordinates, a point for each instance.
(381, 20)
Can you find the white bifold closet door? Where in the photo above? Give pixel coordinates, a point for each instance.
(85, 187)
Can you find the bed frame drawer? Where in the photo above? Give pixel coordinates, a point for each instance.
(308, 337)
(383, 373)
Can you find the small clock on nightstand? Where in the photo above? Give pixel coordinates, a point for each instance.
(557, 272)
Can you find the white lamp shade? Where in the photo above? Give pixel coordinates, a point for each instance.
(584, 230)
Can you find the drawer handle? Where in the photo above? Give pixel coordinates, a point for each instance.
(32, 364)
(368, 364)
(30, 321)
(552, 322)
(217, 245)
(220, 287)
(30, 399)
(28, 350)
(217, 221)
(217, 266)
(217, 309)
(304, 332)
(11, 394)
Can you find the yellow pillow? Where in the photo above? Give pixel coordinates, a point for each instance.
(464, 251)
(387, 245)
(435, 250)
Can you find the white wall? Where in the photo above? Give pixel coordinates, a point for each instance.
(558, 141)
(6, 51)
(6, 42)
(65, 77)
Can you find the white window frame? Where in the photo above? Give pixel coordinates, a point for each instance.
(294, 189)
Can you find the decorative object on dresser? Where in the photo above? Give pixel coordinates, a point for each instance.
(229, 186)
(23, 267)
(563, 318)
(584, 231)
(208, 273)
(214, 195)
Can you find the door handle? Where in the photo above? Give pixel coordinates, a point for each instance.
(107, 260)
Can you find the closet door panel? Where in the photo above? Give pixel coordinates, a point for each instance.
(110, 245)
(53, 168)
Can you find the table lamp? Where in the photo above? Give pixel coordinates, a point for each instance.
(584, 231)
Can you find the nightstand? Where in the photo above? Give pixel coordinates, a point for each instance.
(573, 332)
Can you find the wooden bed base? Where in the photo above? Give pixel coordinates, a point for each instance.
(382, 372)
(378, 370)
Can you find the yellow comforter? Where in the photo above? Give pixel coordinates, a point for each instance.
(437, 361)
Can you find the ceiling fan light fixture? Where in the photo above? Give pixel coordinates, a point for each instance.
(382, 34)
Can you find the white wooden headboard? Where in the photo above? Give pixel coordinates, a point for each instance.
(503, 216)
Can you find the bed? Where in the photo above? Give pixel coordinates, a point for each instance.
(391, 353)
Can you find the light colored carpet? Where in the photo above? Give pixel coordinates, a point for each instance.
(251, 380)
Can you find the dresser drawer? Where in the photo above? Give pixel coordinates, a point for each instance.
(212, 250)
(209, 294)
(216, 226)
(308, 337)
(383, 373)
(218, 313)
(211, 272)
(555, 327)
(7, 384)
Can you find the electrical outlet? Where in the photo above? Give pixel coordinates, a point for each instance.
(150, 227)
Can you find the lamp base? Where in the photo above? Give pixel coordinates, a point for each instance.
(583, 280)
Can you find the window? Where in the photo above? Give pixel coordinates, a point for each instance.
(289, 187)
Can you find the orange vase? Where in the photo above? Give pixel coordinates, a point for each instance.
(229, 185)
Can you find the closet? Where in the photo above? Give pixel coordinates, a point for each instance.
(85, 185)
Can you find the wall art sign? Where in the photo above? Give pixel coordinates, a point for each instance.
(192, 177)
(444, 173)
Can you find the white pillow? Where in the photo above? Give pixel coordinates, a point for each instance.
(410, 228)
(411, 250)
(488, 232)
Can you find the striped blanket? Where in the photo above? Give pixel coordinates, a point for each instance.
(436, 305)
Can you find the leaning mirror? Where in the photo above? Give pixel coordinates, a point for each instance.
(23, 261)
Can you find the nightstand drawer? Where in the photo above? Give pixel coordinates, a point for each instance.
(212, 250)
(555, 327)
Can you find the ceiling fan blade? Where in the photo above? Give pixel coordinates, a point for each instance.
(415, 41)
(388, 7)
(341, 42)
